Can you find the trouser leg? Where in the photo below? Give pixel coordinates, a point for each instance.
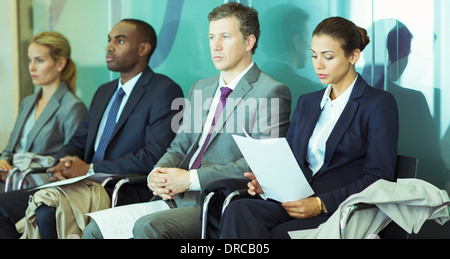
(92, 231)
(46, 221)
(260, 219)
(178, 223)
(251, 219)
(12, 209)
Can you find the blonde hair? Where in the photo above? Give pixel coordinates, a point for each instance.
(59, 47)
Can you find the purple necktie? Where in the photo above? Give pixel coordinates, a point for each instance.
(225, 92)
(109, 127)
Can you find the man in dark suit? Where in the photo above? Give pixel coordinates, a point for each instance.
(142, 132)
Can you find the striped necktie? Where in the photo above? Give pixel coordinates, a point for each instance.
(109, 127)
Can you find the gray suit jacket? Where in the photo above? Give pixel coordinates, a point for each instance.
(53, 128)
(259, 104)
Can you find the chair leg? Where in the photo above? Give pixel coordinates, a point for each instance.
(345, 217)
(9, 178)
(205, 214)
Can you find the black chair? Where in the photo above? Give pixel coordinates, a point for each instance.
(219, 194)
(406, 168)
(120, 181)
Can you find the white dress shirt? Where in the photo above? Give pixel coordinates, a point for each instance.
(331, 111)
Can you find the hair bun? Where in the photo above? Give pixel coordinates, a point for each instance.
(365, 40)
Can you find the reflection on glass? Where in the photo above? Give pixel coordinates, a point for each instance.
(418, 135)
(285, 42)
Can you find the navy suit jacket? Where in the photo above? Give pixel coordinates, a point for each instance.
(143, 132)
(361, 149)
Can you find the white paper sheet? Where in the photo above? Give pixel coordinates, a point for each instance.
(275, 167)
(118, 222)
(96, 177)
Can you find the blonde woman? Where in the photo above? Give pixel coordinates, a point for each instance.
(48, 118)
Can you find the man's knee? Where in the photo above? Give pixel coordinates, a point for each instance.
(92, 231)
(179, 223)
(145, 228)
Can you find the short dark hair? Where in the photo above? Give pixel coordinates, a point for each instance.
(145, 33)
(247, 17)
(346, 32)
(399, 41)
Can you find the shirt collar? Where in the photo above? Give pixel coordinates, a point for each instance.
(342, 99)
(128, 86)
(232, 85)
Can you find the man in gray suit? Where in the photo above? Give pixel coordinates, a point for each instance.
(241, 97)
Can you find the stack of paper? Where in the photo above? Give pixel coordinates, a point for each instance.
(275, 167)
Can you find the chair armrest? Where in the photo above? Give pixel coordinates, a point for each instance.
(28, 172)
(132, 178)
(243, 193)
(227, 186)
(121, 180)
(348, 213)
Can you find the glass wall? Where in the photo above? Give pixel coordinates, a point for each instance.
(406, 57)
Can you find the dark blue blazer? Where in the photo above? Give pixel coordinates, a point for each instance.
(361, 149)
(143, 132)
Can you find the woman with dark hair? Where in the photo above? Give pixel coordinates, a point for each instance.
(344, 138)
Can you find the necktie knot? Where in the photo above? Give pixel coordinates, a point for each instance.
(120, 94)
(225, 92)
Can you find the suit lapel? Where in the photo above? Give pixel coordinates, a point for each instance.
(136, 95)
(207, 94)
(309, 113)
(27, 106)
(344, 121)
(50, 109)
(236, 97)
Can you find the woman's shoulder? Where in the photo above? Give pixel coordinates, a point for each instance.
(378, 95)
(70, 103)
(30, 98)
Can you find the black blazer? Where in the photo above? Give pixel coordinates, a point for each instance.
(143, 132)
(361, 149)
